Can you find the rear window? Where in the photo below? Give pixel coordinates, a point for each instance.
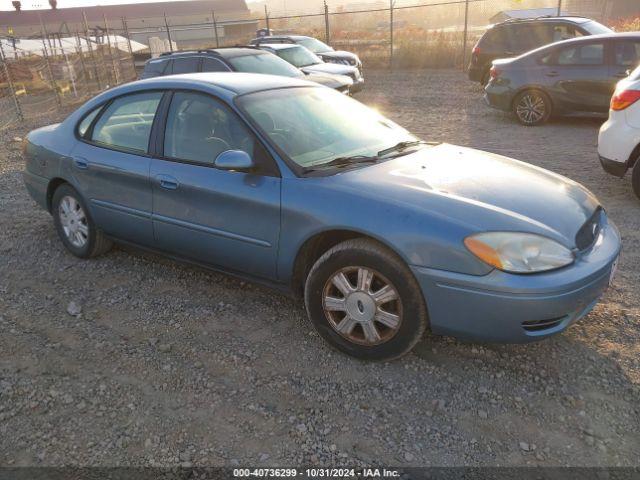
(156, 67)
(496, 36)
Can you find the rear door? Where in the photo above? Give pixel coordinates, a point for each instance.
(224, 218)
(110, 165)
(577, 76)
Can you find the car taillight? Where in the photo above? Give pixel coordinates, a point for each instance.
(624, 99)
(476, 50)
(494, 72)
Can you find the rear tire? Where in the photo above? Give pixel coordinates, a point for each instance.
(364, 301)
(532, 107)
(635, 178)
(74, 224)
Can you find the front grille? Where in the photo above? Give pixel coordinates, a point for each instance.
(588, 233)
(539, 325)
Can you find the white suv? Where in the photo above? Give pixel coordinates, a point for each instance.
(619, 138)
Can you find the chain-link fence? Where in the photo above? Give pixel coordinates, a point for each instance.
(54, 71)
(40, 76)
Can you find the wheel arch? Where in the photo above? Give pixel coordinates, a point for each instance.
(633, 158)
(317, 244)
(53, 185)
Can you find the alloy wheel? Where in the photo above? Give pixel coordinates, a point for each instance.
(362, 306)
(73, 221)
(531, 108)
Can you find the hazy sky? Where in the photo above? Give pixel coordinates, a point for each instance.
(30, 4)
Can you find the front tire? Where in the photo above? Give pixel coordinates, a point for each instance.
(364, 301)
(74, 225)
(635, 178)
(532, 107)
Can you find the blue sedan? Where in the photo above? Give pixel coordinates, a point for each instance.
(295, 185)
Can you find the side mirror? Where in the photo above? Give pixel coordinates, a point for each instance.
(238, 160)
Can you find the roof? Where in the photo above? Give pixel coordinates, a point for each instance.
(528, 12)
(237, 83)
(225, 52)
(280, 46)
(133, 10)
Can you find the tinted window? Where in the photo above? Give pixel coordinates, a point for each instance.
(199, 128)
(595, 28)
(213, 65)
(496, 37)
(155, 67)
(185, 65)
(591, 54)
(264, 63)
(528, 37)
(126, 123)
(627, 54)
(83, 126)
(565, 32)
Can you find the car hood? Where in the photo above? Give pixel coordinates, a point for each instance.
(329, 80)
(334, 68)
(338, 54)
(479, 190)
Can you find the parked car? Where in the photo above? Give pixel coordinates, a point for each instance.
(311, 64)
(619, 138)
(324, 51)
(297, 186)
(514, 37)
(577, 75)
(237, 59)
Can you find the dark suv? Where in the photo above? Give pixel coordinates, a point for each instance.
(514, 37)
(236, 59)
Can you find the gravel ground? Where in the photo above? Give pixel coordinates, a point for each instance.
(130, 359)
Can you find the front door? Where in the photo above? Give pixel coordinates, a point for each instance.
(223, 218)
(111, 167)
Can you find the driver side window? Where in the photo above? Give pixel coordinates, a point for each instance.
(199, 129)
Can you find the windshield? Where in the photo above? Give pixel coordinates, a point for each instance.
(264, 63)
(595, 28)
(298, 56)
(316, 46)
(315, 125)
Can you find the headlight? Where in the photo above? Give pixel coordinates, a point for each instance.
(518, 252)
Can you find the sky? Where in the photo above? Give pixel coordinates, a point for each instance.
(33, 4)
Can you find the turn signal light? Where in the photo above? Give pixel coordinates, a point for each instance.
(624, 99)
(494, 72)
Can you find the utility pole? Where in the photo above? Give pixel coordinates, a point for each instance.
(559, 8)
(215, 27)
(327, 34)
(466, 29)
(391, 2)
(266, 19)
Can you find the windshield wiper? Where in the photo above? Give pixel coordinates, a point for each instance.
(342, 162)
(400, 146)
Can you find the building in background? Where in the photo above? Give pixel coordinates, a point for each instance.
(190, 21)
(603, 9)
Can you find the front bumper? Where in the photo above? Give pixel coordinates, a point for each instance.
(508, 308)
(613, 167)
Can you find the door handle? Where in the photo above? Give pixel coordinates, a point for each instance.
(552, 74)
(81, 163)
(168, 182)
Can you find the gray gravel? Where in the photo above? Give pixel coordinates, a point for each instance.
(130, 359)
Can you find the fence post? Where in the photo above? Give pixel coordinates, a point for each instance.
(85, 74)
(116, 68)
(391, 2)
(87, 39)
(215, 27)
(125, 30)
(266, 19)
(466, 29)
(327, 34)
(166, 24)
(7, 73)
(559, 8)
(50, 70)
